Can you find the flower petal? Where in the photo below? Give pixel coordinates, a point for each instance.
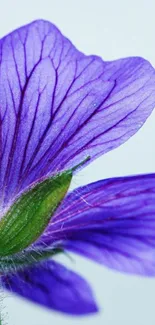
(58, 106)
(52, 285)
(111, 222)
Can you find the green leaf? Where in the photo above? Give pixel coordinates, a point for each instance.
(29, 215)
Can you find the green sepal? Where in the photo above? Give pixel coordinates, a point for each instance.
(22, 260)
(29, 215)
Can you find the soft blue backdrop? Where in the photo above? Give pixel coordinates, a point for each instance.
(111, 29)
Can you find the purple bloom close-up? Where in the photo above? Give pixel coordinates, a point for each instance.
(60, 110)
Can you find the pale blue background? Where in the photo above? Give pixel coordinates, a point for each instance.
(111, 29)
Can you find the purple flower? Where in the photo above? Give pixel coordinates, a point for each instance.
(57, 108)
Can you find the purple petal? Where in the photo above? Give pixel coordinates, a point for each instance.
(53, 286)
(111, 222)
(57, 106)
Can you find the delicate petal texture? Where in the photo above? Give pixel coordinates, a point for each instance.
(57, 106)
(52, 285)
(110, 221)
